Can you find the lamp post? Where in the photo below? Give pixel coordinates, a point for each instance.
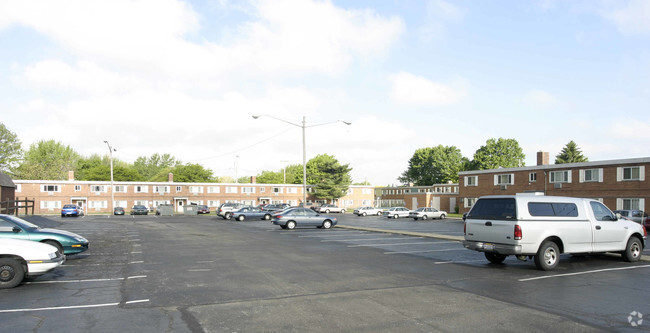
(302, 125)
(284, 171)
(110, 154)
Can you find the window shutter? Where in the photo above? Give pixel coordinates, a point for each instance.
(619, 174)
(642, 172)
(619, 203)
(600, 175)
(512, 179)
(642, 204)
(496, 179)
(568, 177)
(581, 175)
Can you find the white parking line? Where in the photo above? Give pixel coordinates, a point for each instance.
(88, 280)
(199, 270)
(394, 244)
(455, 262)
(74, 306)
(581, 273)
(367, 239)
(424, 251)
(327, 236)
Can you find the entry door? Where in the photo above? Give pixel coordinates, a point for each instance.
(414, 203)
(179, 205)
(435, 202)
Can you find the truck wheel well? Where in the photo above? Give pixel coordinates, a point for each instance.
(639, 236)
(555, 240)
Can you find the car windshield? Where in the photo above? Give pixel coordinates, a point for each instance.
(69, 206)
(21, 223)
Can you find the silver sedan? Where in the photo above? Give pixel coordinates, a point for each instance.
(293, 217)
(427, 213)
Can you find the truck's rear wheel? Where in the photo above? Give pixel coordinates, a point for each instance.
(548, 256)
(495, 258)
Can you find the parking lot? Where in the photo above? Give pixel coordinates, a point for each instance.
(206, 274)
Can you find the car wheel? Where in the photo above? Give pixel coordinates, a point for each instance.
(327, 211)
(267, 217)
(327, 224)
(395, 216)
(633, 250)
(283, 226)
(342, 211)
(495, 258)
(227, 216)
(364, 214)
(11, 273)
(424, 217)
(415, 219)
(380, 213)
(241, 218)
(55, 244)
(548, 256)
(291, 225)
(442, 216)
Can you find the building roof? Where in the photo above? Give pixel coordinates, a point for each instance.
(627, 161)
(5, 181)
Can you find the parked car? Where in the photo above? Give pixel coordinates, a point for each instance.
(329, 208)
(203, 209)
(276, 207)
(363, 211)
(66, 242)
(543, 227)
(71, 210)
(427, 213)
(22, 258)
(635, 215)
(226, 209)
(118, 211)
(139, 210)
(396, 212)
(294, 217)
(251, 213)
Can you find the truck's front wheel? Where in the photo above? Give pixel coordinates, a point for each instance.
(633, 250)
(495, 258)
(548, 256)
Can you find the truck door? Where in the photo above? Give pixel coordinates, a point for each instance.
(609, 234)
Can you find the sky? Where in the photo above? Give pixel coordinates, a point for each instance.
(185, 78)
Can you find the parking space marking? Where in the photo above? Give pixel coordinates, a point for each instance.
(387, 237)
(73, 306)
(582, 273)
(87, 280)
(455, 262)
(425, 251)
(136, 262)
(204, 261)
(393, 244)
(199, 270)
(326, 236)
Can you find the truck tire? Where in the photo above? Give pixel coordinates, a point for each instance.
(633, 250)
(548, 256)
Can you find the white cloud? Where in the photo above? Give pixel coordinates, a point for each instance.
(413, 90)
(539, 98)
(633, 17)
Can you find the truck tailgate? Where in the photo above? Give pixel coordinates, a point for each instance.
(491, 231)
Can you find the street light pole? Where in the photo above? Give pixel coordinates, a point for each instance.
(110, 154)
(303, 125)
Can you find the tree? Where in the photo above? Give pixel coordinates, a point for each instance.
(47, 160)
(186, 173)
(289, 173)
(501, 153)
(120, 174)
(331, 179)
(10, 149)
(152, 167)
(570, 154)
(433, 165)
(270, 177)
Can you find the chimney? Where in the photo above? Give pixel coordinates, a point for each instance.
(70, 175)
(170, 177)
(253, 179)
(542, 158)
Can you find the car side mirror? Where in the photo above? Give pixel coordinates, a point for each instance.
(464, 217)
(16, 230)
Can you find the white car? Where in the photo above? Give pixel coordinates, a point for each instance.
(396, 212)
(427, 213)
(329, 208)
(363, 211)
(22, 258)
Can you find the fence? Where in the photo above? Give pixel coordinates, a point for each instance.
(13, 206)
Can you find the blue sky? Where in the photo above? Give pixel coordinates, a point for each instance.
(184, 78)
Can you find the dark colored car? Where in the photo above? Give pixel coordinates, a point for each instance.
(251, 213)
(276, 207)
(118, 211)
(203, 209)
(139, 210)
(66, 242)
(293, 217)
(71, 210)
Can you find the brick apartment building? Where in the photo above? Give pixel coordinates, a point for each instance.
(95, 196)
(439, 196)
(619, 184)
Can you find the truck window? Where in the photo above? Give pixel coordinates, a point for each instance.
(601, 212)
(494, 209)
(552, 209)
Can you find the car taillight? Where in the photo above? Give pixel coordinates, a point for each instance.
(518, 232)
(278, 216)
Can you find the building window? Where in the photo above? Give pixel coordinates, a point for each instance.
(248, 189)
(196, 189)
(214, 203)
(471, 181)
(161, 189)
(292, 190)
(214, 189)
(98, 204)
(532, 177)
(50, 188)
(180, 189)
(277, 190)
(231, 189)
(560, 176)
(50, 204)
(469, 202)
(591, 175)
(141, 189)
(98, 188)
(119, 203)
(366, 191)
(631, 173)
(630, 203)
(19, 187)
(262, 189)
(120, 189)
(507, 179)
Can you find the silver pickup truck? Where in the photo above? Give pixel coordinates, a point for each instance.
(543, 227)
